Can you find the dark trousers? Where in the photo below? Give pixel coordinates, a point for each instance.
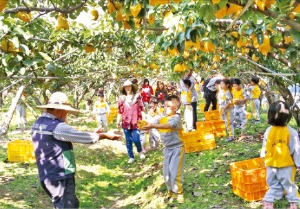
(61, 192)
(194, 105)
(210, 99)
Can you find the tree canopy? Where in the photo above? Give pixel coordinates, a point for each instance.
(90, 43)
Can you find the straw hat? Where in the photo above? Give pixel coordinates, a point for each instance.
(128, 83)
(59, 100)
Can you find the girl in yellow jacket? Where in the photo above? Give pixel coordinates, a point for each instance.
(254, 98)
(281, 153)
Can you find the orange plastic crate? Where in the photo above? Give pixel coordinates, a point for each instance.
(250, 188)
(220, 132)
(249, 179)
(212, 115)
(20, 151)
(249, 171)
(203, 145)
(249, 196)
(191, 139)
(218, 124)
(204, 126)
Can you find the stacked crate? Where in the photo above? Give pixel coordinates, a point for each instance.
(197, 141)
(213, 124)
(249, 179)
(212, 115)
(113, 114)
(20, 151)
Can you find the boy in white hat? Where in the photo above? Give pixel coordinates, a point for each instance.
(52, 140)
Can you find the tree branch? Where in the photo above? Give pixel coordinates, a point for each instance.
(291, 23)
(249, 3)
(281, 59)
(264, 68)
(44, 9)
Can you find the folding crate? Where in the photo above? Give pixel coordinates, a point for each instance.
(249, 196)
(204, 145)
(204, 126)
(20, 151)
(220, 132)
(249, 179)
(191, 139)
(218, 124)
(249, 171)
(158, 2)
(212, 115)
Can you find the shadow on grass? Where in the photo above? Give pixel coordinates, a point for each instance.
(105, 177)
(23, 191)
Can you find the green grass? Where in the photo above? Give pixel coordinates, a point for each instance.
(105, 180)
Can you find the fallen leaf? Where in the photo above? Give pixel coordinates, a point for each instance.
(197, 194)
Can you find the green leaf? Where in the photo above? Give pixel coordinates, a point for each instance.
(45, 56)
(18, 30)
(16, 42)
(181, 47)
(194, 35)
(247, 15)
(187, 32)
(180, 37)
(25, 49)
(5, 59)
(50, 66)
(29, 62)
(166, 44)
(296, 36)
(260, 38)
(22, 70)
(249, 31)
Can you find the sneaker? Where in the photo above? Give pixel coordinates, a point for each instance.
(293, 205)
(142, 156)
(131, 160)
(267, 205)
(229, 139)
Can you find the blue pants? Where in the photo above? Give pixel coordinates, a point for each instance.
(132, 136)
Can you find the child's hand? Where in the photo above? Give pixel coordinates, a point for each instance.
(147, 127)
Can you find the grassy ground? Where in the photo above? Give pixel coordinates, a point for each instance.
(105, 180)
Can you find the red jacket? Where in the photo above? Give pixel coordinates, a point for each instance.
(146, 93)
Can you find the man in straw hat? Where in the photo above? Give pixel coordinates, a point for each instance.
(52, 139)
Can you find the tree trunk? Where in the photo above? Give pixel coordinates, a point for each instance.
(111, 87)
(10, 113)
(287, 96)
(1, 99)
(79, 97)
(31, 109)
